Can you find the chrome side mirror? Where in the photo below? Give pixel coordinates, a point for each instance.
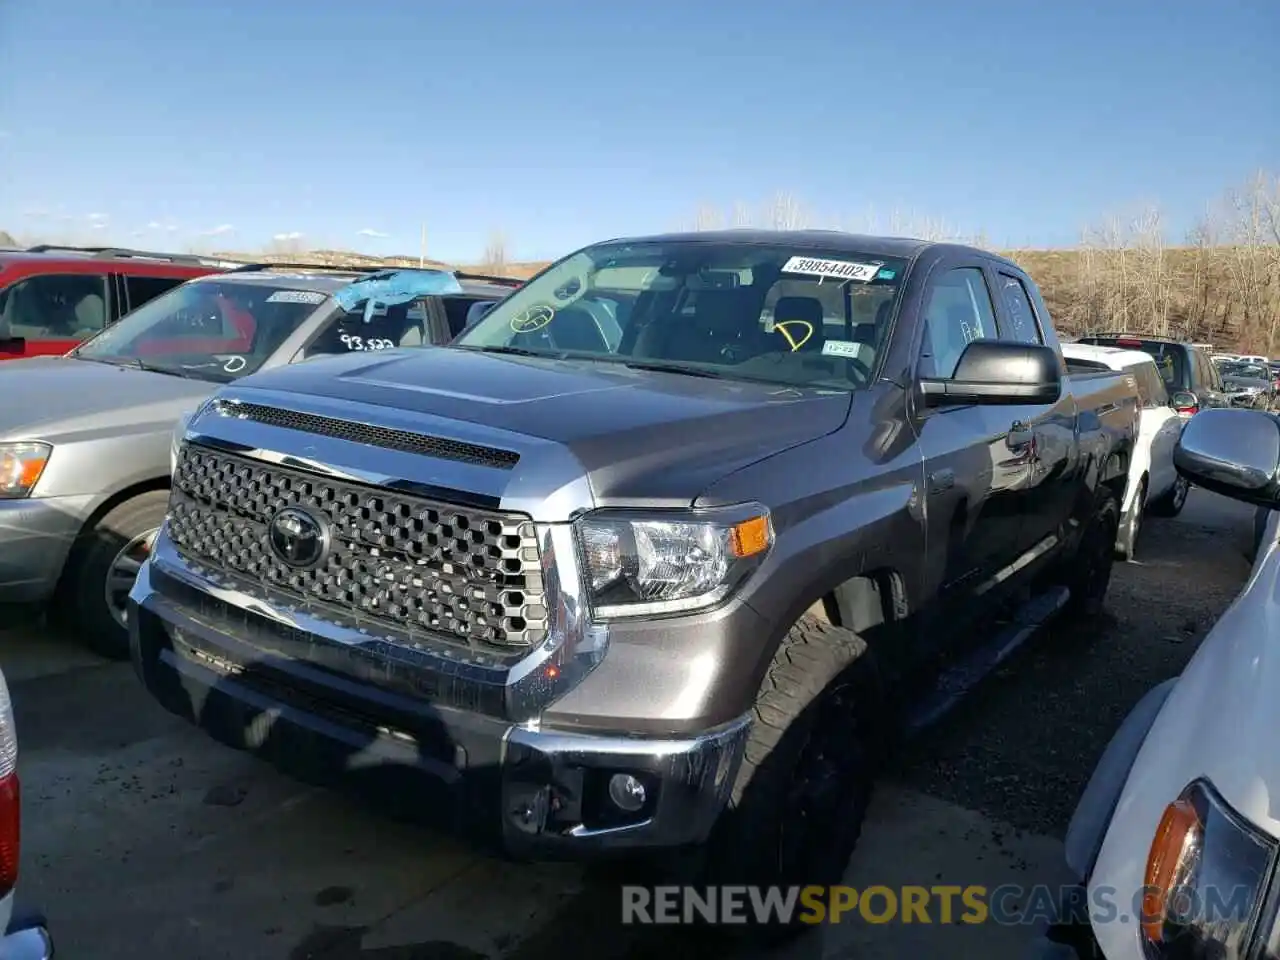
(1232, 452)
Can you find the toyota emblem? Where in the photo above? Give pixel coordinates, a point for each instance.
(298, 538)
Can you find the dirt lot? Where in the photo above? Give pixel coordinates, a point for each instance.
(144, 837)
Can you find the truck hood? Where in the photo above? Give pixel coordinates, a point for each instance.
(636, 436)
(45, 398)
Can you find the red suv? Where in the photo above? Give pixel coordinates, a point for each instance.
(52, 298)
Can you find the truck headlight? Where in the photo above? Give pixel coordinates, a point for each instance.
(180, 432)
(1206, 872)
(643, 564)
(21, 466)
(175, 440)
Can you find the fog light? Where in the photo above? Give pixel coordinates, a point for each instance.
(626, 792)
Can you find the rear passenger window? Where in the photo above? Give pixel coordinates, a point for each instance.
(958, 311)
(1017, 306)
(54, 307)
(141, 289)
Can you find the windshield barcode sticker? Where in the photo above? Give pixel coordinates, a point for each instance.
(836, 269)
(842, 348)
(297, 296)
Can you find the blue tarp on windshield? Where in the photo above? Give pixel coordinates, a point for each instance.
(389, 287)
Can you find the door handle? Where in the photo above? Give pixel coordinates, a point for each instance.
(1019, 437)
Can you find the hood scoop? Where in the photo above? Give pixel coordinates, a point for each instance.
(442, 448)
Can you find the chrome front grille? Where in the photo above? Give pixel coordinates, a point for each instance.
(417, 565)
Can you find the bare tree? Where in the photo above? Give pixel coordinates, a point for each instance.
(785, 213)
(707, 218)
(1254, 258)
(741, 215)
(495, 251)
(1152, 283)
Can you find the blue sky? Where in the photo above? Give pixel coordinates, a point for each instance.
(560, 122)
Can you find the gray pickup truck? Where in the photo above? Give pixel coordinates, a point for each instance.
(661, 553)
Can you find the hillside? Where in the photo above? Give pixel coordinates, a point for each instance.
(1228, 296)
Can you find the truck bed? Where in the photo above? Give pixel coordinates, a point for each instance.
(1110, 396)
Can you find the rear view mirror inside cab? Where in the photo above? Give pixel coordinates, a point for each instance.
(998, 371)
(477, 311)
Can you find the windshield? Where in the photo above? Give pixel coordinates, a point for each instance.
(1170, 358)
(206, 329)
(741, 311)
(1248, 371)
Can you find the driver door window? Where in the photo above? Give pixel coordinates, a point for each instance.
(958, 310)
(398, 325)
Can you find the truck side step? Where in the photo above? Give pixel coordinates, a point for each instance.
(956, 682)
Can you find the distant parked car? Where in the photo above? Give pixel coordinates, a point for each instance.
(84, 438)
(1248, 384)
(1153, 483)
(1189, 375)
(53, 298)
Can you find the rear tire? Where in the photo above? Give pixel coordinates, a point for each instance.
(1089, 570)
(95, 594)
(1171, 502)
(807, 774)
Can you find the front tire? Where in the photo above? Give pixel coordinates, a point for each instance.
(107, 561)
(807, 774)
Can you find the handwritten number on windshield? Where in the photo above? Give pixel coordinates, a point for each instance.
(361, 343)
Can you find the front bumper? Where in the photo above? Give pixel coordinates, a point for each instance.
(410, 743)
(26, 938)
(1247, 400)
(35, 538)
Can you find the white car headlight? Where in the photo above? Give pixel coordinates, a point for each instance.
(21, 466)
(644, 564)
(1208, 870)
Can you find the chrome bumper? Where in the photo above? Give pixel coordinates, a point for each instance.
(686, 784)
(339, 713)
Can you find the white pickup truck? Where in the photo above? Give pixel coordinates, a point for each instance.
(1153, 482)
(21, 937)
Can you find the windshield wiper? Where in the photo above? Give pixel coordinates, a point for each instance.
(513, 351)
(136, 363)
(674, 368)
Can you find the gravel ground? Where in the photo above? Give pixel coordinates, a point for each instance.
(1022, 747)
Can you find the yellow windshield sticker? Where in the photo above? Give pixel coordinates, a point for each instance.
(533, 319)
(806, 329)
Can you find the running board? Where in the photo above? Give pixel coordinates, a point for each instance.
(957, 681)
